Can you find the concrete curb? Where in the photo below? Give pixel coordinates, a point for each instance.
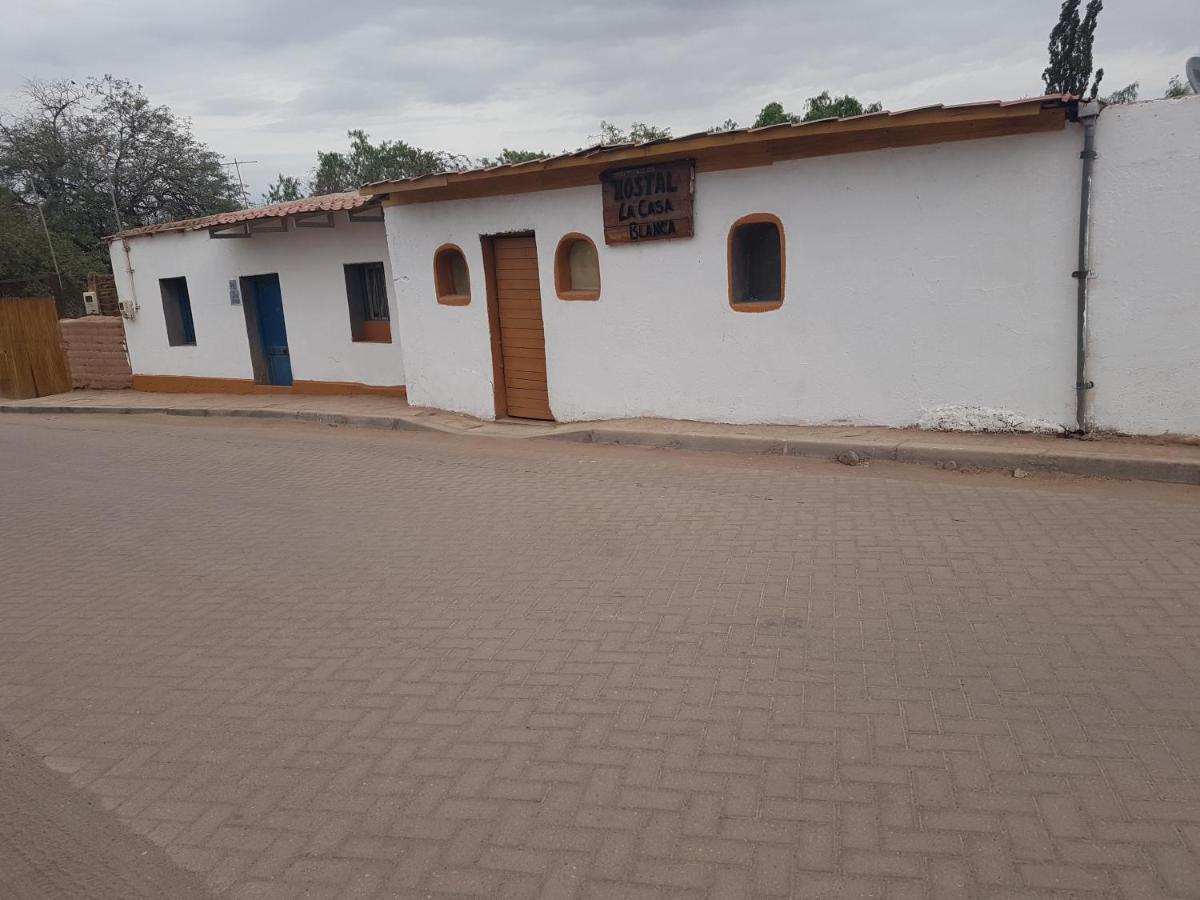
(1068, 461)
(392, 423)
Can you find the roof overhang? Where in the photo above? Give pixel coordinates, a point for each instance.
(308, 212)
(743, 149)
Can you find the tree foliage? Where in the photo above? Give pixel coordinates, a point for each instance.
(1177, 87)
(385, 161)
(1127, 94)
(638, 133)
(1070, 67)
(285, 188)
(774, 114)
(25, 253)
(74, 147)
(822, 106)
(509, 157)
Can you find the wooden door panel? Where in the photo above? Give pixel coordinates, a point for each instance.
(525, 353)
(523, 316)
(522, 336)
(524, 367)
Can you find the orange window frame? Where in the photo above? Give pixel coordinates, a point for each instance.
(756, 307)
(562, 269)
(443, 276)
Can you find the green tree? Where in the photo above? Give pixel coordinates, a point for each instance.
(727, 125)
(25, 252)
(774, 114)
(823, 106)
(638, 133)
(1127, 94)
(76, 147)
(1177, 87)
(366, 162)
(285, 188)
(509, 157)
(1070, 66)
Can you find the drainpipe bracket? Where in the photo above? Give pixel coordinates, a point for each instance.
(1083, 273)
(1088, 154)
(1084, 385)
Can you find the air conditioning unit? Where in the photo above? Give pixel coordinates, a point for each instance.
(128, 309)
(91, 303)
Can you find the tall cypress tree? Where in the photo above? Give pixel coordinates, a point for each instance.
(1071, 51)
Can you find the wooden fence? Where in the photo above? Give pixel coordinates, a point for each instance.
(32, 360)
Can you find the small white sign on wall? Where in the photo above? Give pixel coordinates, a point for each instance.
(235, 293)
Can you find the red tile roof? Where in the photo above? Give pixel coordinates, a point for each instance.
(325, 203)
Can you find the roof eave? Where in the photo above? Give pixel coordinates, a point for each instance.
(743, 148)
(345, 202)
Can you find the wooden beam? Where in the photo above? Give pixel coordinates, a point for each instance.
(720, 152)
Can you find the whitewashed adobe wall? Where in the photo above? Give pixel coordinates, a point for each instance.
(309, 262)
(916, 278)
(1145, 298)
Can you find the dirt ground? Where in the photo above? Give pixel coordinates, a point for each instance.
(58, 843)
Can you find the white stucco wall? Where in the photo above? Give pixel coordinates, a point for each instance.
(916, 278)
(1144, 322)
(309, 262)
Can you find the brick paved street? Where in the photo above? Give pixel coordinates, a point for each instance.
(331, 663)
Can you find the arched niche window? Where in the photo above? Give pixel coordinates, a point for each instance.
(451, 279)
(756, 263)
(576, 268)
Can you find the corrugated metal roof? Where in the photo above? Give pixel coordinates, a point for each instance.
(742, 136)
(324, 203)
(368, 194)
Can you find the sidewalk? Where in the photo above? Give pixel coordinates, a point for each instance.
(1108, 457)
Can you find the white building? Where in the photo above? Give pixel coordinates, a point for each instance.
(292, 297)
(866, 270)
(926, 260)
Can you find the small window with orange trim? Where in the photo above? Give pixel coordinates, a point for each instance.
(576, 268)
(451, 278)
(366, 295)
(756, 263)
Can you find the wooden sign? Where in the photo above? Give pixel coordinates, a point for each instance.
(649, 203)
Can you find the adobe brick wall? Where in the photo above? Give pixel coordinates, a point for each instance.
(96, 352)
(105, 286)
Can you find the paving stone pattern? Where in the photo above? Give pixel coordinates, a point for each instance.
(317, 662)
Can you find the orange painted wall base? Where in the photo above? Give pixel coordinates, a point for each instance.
(188, 384)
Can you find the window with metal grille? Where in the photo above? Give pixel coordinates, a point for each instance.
(756, 263)
(366, 294)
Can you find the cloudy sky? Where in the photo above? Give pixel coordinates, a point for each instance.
(275, 80)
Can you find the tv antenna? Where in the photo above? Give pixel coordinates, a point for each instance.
(237, 167)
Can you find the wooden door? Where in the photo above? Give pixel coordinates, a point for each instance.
(521, 339)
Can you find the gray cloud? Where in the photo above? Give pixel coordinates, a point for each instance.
(275, 80)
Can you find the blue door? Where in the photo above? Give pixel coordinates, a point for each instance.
(269, 301)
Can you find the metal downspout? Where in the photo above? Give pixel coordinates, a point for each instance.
(1088, 112)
